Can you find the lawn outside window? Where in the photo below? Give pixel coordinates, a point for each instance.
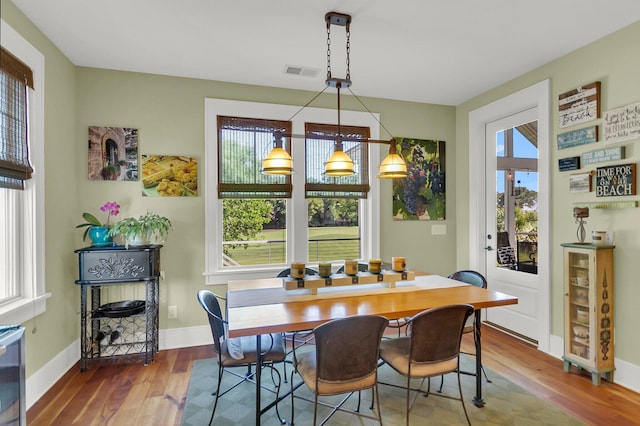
(293, 229)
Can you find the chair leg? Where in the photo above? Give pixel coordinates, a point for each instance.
(462, 399)
(292, 398)
(216, 393)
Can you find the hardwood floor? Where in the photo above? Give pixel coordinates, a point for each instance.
(133, 394)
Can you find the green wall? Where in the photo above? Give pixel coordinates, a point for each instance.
(169, 113)
(614, 61)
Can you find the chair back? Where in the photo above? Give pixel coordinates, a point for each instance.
(285, 272)
(348, 348)
(436, 333)
(209, 301)
(470, 277)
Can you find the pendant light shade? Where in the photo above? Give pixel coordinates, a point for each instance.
(339, 164)
(278, 162)
(393, 165)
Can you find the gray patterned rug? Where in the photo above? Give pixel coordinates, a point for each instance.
(506, 403)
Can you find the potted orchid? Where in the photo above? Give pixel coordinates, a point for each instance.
(98, 231)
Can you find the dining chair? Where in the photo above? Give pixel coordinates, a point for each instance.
(432, 349)
(344, 361)
(273, 351)
(285, 272)
(477, 279)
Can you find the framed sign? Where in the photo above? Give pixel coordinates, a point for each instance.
(612, 181)
(570, 163)
(578, 137)
(580, 182)
(579, 105)
(622, 124)
(608, 154)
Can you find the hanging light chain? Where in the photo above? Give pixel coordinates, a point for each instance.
(328, 50)
(348, 76)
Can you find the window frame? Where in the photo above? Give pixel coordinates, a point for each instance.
(296, 206)
(33, 296)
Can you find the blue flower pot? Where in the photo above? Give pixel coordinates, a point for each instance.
(100, 237)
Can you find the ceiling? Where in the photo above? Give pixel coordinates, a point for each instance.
(433, 51)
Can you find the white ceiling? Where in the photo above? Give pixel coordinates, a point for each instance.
(433, 51)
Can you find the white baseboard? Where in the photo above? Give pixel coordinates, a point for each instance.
(626, 374)
(39, 382)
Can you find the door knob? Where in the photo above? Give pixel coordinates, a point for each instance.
(488, 248)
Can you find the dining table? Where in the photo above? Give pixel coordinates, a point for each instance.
(263, 306)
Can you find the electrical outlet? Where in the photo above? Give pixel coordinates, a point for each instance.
(173, 312)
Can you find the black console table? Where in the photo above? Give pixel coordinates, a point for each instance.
(118, 329)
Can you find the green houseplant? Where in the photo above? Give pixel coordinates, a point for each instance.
(147, 228)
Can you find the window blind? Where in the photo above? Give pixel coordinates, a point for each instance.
(319, 147)
(242, 145)
(15, 78)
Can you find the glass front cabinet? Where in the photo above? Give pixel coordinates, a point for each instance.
(588, 309)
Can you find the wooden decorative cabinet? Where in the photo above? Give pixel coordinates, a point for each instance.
(588, 314)
(112, 328)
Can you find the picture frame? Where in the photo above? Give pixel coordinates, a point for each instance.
(580, 182)
(579, 105)
(421, 195)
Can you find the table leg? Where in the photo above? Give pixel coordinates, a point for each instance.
(477, 400)
(258, 377)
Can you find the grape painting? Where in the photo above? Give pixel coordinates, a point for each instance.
(421, 195)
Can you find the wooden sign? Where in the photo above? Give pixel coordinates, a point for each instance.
(617, 180)
(580, 182)
(578, 137)
(608, 154)
(622, 124)
(570, 163)
(579, 105)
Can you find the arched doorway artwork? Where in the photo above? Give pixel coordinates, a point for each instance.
(111, 163)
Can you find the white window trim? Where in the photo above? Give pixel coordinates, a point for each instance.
(33, 302)
(370, 222)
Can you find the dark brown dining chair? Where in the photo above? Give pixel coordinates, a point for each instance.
(477, 279)
(432, 349)
(273, 351)
(344, 361)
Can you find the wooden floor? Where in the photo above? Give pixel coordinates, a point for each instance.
(154, 395)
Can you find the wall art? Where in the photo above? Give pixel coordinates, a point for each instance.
(578, 137)
(421, 195)
(622, 124)
(612, 181)
(580, 182)
(169, 176)
(608, 154)
(569, 163)
(579, 105)
(113, 153)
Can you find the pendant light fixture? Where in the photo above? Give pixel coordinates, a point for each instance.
(279, 162)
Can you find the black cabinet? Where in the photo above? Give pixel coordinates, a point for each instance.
(119, 295)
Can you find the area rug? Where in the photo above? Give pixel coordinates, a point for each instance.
(506, 403)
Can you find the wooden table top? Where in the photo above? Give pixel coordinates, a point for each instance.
(262, 306)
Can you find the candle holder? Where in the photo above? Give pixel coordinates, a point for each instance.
(580, 213)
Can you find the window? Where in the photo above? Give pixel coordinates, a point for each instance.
(22, 287)
(292, 231)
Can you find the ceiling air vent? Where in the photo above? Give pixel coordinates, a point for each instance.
(301, 71)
